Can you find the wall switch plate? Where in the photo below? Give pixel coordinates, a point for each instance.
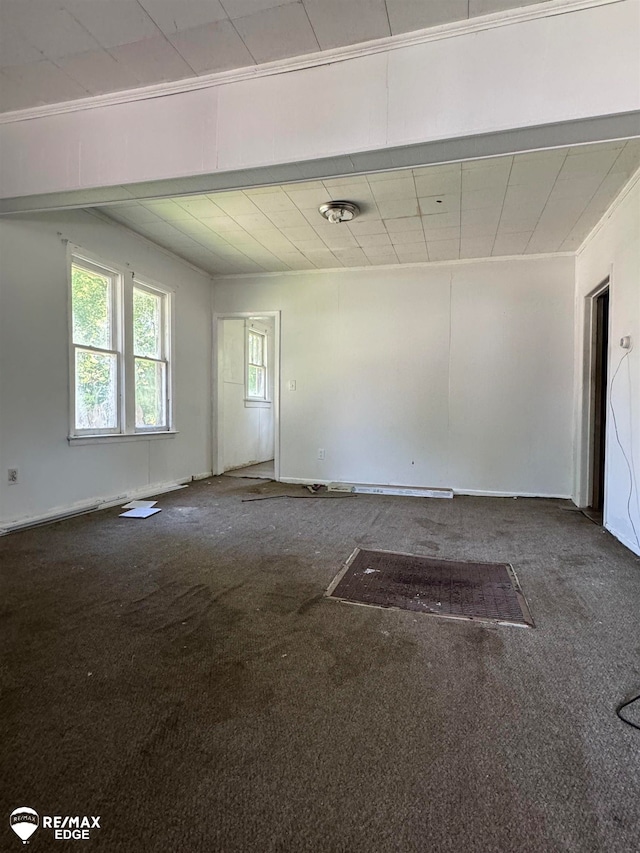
(321, 453)
(12, 476)
(292, 385)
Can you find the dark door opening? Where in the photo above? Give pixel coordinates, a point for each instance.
(601, 355)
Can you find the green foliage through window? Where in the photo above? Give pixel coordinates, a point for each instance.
(150, 379)
(92, 297)
(147, 323)
(95, 372)
(96, 390)
(102, 369)
(150, 393)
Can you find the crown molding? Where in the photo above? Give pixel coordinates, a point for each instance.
(395, 267)
(547, 9)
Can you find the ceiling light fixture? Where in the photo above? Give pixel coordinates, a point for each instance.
(339, 211)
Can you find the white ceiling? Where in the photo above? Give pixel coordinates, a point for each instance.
(60, 50)
(533, 203)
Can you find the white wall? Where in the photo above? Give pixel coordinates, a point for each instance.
(34, 371)
(516, 75)
(248, 429)
(613, 250)
(455, 375)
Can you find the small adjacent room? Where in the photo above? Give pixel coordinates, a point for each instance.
(310, 286)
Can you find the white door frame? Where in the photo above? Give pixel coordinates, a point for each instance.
(217, 414)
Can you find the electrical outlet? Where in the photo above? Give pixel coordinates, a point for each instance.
(321, 453)
(12, 476)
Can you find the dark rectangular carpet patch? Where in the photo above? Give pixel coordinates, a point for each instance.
(463, 590)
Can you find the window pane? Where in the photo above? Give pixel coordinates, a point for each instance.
(150, 393)
(256, 381)
(147, 324)
(91, 301)
(96, 396)
(256, 348)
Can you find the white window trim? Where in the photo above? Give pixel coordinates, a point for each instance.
(124, 280)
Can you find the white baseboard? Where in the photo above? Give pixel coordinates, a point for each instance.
(304, 481)
(628, 543)
(481, 493)
(82, 507)
(371, 488)
(485, 493)
(399, 491)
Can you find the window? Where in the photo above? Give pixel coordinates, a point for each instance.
(149, 352)
(120, 352)
(96, 348)
(256, 380)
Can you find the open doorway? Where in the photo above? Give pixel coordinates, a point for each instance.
(598, 420)
(247, 394)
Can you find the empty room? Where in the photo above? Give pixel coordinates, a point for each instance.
(320, 425)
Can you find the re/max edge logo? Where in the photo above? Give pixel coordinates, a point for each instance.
(68, 827)
(24, 821)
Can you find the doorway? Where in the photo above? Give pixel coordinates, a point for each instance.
(600, 361)
(247, 395)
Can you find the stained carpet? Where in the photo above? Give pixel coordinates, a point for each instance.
(185, 678)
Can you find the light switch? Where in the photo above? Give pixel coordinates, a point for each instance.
(292, 385)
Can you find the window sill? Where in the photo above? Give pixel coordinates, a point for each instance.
(109, 438)
(257, 404)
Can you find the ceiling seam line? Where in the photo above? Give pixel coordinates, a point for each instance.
(504, 197)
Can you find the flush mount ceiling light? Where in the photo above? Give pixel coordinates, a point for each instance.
(339, 211)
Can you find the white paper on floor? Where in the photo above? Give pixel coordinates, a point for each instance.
(140, 512)
(137, 504)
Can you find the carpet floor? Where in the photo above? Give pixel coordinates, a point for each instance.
(184, 678)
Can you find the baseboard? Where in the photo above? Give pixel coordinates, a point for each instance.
(483, 493)
(372, 488)
(306, 481)
(395, 491)
(83, 507)
(628, 543)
